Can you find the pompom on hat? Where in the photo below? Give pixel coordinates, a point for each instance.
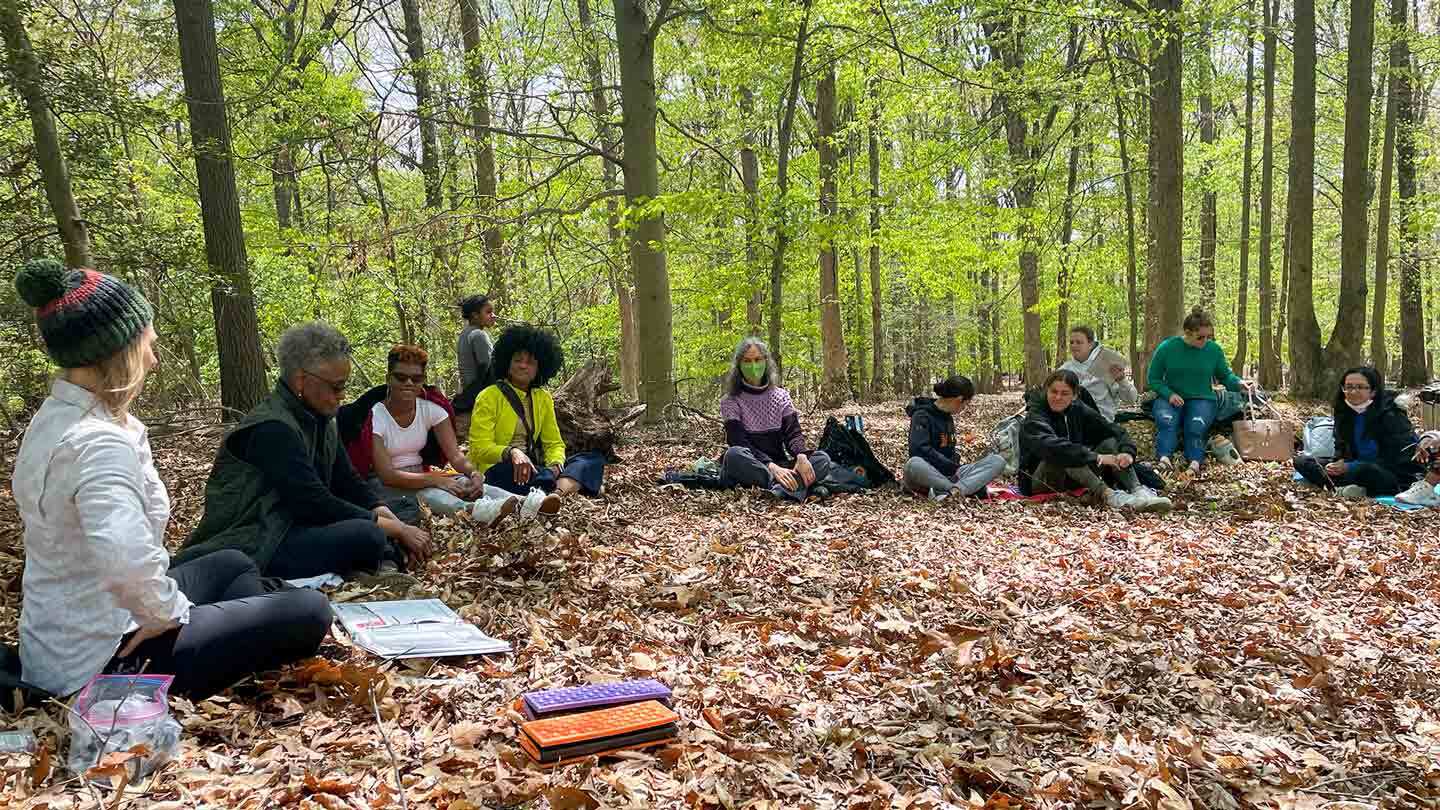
(84, 315)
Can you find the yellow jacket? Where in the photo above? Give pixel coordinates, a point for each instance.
(492, 426)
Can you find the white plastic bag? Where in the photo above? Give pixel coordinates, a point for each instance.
(119, 713)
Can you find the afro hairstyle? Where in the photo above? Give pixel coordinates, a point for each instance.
(541, 345)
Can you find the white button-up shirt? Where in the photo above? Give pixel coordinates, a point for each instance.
(95, 512)
(1109, 393)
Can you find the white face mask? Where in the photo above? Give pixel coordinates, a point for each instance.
(1361, 407)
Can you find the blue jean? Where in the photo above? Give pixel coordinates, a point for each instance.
(588, 470)
(1194, 418)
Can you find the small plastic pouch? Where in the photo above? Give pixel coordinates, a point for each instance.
(128, 713)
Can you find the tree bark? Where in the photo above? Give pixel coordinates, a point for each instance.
(750, 179)
(1067, 230)
(1306, 357)
(237, 330)
(782, 186)
(30, 85)
(1414, 366)
(1242, 309)
(877, 328)
(1165, 290)
(621, 277)
(1347, 340)
(1269, 345)
(1132, 273)
(486, 182)
(634, 37)
(424, 104)
(862, 358)
(835, 385)
(1208, 207)
(1379, 350)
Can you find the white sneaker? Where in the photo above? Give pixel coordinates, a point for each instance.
(1120, 499)
(1148, 501)
(538, 503)
(489, 511)
(1165, 465)
(1194, 468)
(1353, 492)
(938, 495)
(1420, 493)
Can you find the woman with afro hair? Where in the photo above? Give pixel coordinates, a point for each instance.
(514, 437)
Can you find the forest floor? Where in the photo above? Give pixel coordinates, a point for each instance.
(1262, 646)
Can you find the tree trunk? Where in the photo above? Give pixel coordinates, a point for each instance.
(1414, 366)
(1269, 345)
(1379, 351)
(1347, 340)
(30, 85)
(1208, 214)
(621, 278)
(997, 383)
(486, 183)
(424, 104)
(750, 179)
(835, 386)
(782, 185)
(635, 41)
(1165, 290)
(1132, 273)
(237, 330)
(1242, 309)
(1067, 230)
(862, 358)
(877, 327)
(1306, 357)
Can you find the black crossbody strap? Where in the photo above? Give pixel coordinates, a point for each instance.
(514, 400)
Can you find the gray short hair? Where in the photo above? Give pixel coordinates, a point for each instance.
(306, 344)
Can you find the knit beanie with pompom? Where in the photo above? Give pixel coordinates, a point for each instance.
(85, 316)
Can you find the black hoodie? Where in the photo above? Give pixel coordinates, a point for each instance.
(932, 435)
(1389, 426)
(1067, 438)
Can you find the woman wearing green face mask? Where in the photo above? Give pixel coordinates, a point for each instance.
(767, 448)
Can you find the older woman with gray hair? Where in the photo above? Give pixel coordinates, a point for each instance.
(762, 428)
(282, 489)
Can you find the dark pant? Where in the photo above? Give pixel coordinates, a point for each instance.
(740, 467)
(588, 470)
(1376, 480)
(1052, 477)
(235, 627)
(339, 548)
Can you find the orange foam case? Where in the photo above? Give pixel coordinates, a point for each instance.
(615, 721)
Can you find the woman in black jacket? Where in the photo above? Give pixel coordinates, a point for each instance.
(934, 467)
(1065, 443)
(1374, 441)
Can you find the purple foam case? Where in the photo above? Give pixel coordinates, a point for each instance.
(552, 702)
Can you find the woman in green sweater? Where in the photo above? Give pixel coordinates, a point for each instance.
(1183, 372)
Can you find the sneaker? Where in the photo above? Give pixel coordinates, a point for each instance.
(1353, 492)
(538, 503)
(490, 511)
(1147, 501)
(1165, 465)
(1194, 468)
(1120, 499)
(1420, 493)
(939, 495)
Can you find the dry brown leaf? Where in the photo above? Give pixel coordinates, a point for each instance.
(714, 718)
(568, 798)
(468, 735)
(40, 766)
(640, 662)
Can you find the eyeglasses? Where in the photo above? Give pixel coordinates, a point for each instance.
(412, 379)
(1355, 387)
(337, 386)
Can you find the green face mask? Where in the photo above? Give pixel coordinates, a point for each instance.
(753, 371)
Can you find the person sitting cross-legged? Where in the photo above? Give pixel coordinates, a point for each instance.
(1065, 443)
(283, 490)
(1374, 442)
(100, 593)
(1423, 492)
(766, 447)
(934, 467)
(515, 439)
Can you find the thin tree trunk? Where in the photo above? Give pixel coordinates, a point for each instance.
(877, 327)
(1165, 290)
(1269, 343)
(862, 358)
(237, 330)
(1067, 230)
(1379, 350)
(835, 384)
(750, 179)
(782, 185)
(1347, 340)
(486, 182)
(1306, 358)
(1132, 274)
(30, 85)
(1208, 206)
(1414, 365)
(1242, 309)
(635, 39)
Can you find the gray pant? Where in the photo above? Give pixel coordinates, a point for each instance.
(921, 476)
(1049, 477)
(405, 502)
(740, 467)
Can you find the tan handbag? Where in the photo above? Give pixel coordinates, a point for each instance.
(1264, 439)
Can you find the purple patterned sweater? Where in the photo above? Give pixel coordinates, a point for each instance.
(765, 421)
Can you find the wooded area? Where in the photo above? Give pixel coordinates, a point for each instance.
(885, 191)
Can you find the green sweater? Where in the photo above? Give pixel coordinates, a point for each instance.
(1179, 368)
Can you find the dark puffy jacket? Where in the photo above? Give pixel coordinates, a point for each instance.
(1067, 438)
(932, 435)
(1388, 424)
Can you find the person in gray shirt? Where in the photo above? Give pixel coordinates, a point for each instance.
(472, 351)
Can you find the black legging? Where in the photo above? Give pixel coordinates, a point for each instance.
(1377, 480)
(340, 548)
(235, 628)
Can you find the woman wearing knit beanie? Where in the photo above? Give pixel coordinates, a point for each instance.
(99, 592)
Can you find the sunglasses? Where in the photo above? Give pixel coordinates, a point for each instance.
(338, 386)
(412, 379)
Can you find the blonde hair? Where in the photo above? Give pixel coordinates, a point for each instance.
(122, 375)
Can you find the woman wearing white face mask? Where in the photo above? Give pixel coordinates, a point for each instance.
(1374, 442)
(762, 428)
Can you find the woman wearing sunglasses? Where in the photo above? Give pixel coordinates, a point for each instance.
(1374, 442)
(1183, 372)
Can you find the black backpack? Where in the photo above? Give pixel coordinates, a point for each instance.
(848, 448)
